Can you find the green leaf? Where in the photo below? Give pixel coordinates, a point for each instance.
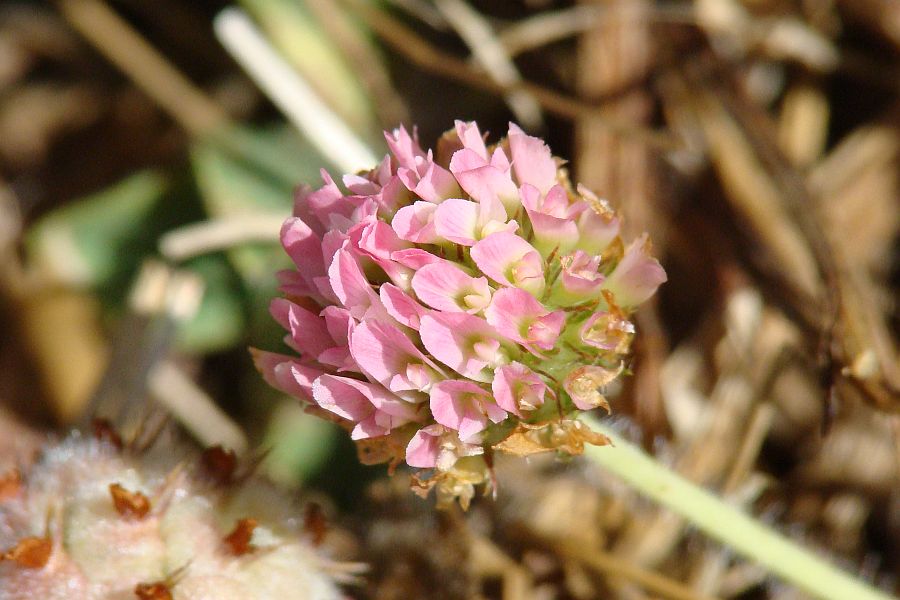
(94, 240)
(221, 318)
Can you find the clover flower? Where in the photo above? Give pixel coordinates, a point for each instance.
(446, 305)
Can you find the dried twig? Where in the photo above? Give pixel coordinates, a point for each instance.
(388, 104)
(651, 581)
(124, 47)
(422, 53)
(478, 34)
(219, 234)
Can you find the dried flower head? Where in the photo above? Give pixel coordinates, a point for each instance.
(444, 303)
(92, 522)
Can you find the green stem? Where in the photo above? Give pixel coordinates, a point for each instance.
(726, 523)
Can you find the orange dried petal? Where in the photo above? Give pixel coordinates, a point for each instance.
(219, 463)
(30, 552)
(10, 484)
(104, 431)
(157, 590)
(129, 504)
(315, 523)
(238, 541)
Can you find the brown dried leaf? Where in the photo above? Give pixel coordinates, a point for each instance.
(30, 552)
(129, 504)
(584, 385)
(238, 541)
(565, 436)
(375, 451)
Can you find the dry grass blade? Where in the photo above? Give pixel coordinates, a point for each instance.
(420, 52)
(123, 46)
(487, 50)
(552, 26)
(390, 107)
(651, 581)
(753, 191)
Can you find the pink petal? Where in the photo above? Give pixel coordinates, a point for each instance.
(414, 223)
(463, 406)
(286, 373)
(374, 408)
(415, 258)
(500, 161)
(520, 317)
(350, 285)
(467, 159)
(401, 305)
(385, 353)
(334, 395)
(456, 220)
(517, 388)
(325, 203)
(424, 447)
(339, 323)
(393, 195)
(532, 160)
(292, 283)
(637, 276)
(552, 234)
(598, 223)
(376, 239)
(405, 147)
(556, 202)
(580, 276)
(340, 326)
(487, 182)
(308, 331)
(360, 186)
(464, 343)
(444, 286)
(304, 247)
(435, 185)
(510, 260)
(369, 428)
(471, 138)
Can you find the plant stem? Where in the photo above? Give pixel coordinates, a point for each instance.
(724, 522)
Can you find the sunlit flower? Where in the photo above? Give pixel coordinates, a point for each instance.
(442, 308)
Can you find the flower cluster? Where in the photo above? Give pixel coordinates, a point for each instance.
(453, 303)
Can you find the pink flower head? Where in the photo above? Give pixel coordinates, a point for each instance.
(439, 309)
